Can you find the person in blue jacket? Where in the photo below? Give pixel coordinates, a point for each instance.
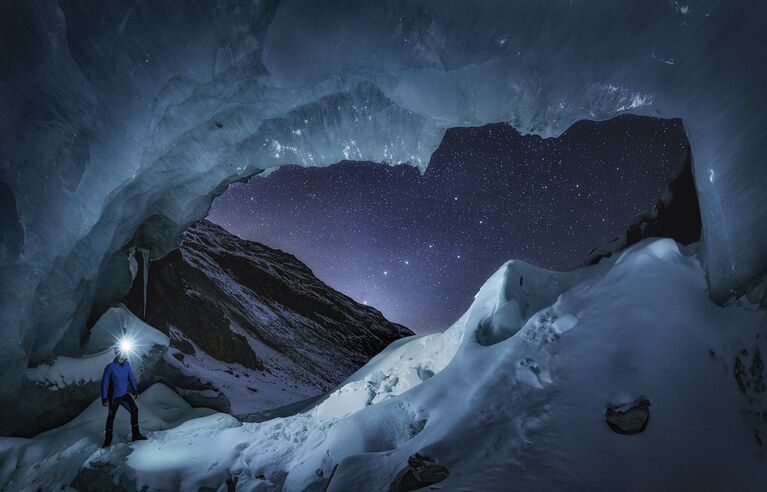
(117, 385)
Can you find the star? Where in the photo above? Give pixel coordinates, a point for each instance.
(547, 202)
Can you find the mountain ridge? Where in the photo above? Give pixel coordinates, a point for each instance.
(251, 326)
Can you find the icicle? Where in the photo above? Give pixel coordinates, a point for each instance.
(145, 261)
(132, 264)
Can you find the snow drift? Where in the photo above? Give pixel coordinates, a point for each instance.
(122, 121)
(524, 413)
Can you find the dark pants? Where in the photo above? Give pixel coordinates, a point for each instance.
(125, 401)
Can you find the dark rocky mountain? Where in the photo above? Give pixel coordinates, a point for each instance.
(251, 327)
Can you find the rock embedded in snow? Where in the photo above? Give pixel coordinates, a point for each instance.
(629, 419)
(750, 377)
(419, 472)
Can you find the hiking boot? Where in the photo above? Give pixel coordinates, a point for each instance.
(137, 435)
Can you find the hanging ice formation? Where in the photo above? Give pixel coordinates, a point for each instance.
(145, 274)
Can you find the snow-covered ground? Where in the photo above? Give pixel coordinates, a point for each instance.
(524, 410)
(52, 459)
(247, 390)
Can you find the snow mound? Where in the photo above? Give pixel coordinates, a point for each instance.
(525, 413)
(516, 292)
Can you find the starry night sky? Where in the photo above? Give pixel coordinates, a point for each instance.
(419, 247)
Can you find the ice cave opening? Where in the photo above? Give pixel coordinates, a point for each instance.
(230, 90)
(369, 230)
(123, 121)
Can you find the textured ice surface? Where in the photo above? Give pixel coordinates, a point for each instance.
(526, 413)
(122, 120)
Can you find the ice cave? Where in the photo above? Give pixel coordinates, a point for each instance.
(123, 120)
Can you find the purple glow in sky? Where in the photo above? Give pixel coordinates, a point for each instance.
(419, 247)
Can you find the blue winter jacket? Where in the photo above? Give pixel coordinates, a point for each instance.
(118, 380)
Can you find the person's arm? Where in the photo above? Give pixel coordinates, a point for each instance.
(105, 385)
(132, 380)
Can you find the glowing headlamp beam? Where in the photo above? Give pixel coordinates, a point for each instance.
(125, 345)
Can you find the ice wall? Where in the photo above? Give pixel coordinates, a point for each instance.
(121, 120)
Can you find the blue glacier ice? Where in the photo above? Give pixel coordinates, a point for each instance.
(122, 120)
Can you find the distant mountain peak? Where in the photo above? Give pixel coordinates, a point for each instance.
(251, 326)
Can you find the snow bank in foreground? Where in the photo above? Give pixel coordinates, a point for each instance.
(525, 413)
(51, 460)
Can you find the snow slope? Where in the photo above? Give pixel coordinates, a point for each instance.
(523, 413)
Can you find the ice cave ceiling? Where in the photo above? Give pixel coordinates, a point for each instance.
(121, 120)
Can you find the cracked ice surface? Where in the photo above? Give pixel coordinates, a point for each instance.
(122, 121)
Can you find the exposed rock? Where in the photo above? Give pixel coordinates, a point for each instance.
(197, 392)
(242, 315)
(750, 378)
(97, 475)
(419, 472)
(749, 373)
(629, 419)
(757, 372)
(739, 373)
